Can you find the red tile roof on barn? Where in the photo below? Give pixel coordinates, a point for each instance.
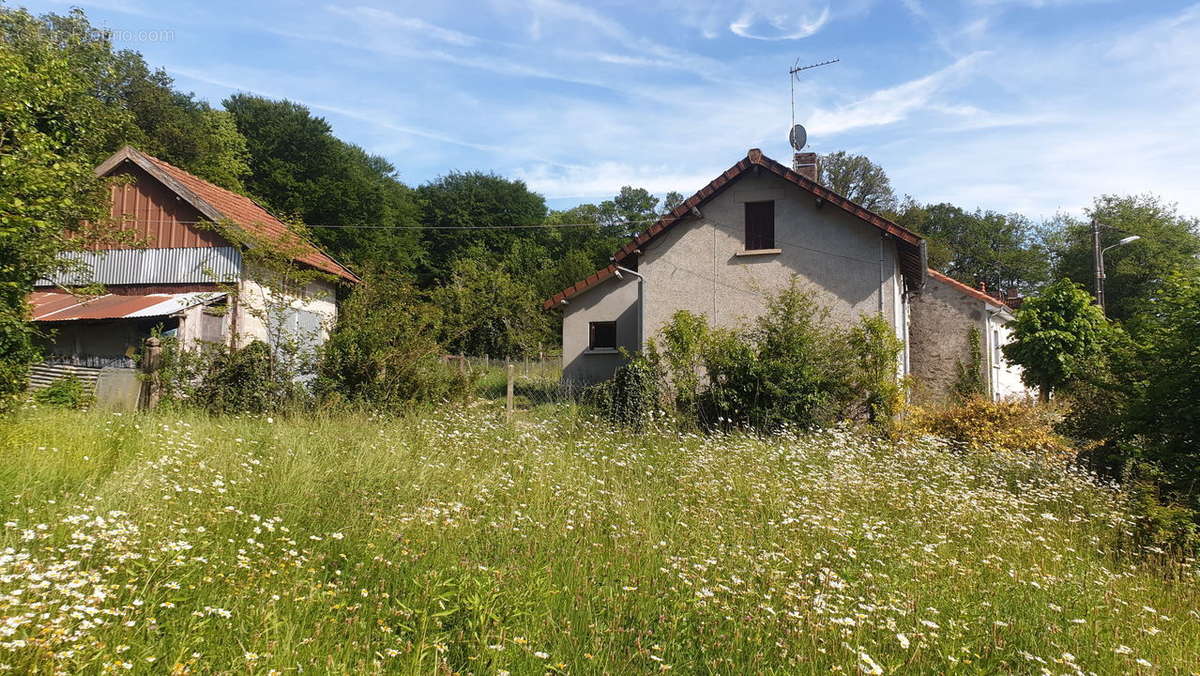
(908, 242)
(218, 203)
(973, 292)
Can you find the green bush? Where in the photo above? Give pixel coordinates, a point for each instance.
(17, 353)
(790, 368)
(242, 381)
(384, 354)
(632, 396)
(68, 392)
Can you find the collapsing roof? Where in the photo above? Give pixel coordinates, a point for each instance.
(218, 204)
(58, 306)
(909, 245)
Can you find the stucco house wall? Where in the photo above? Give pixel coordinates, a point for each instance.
(260, 313)
(614, 300)
(701, 265)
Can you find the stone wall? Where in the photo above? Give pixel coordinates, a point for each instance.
(939, 338)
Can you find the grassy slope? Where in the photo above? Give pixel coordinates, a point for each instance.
(450, 542)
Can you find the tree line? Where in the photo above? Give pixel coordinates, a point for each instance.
(70, 99)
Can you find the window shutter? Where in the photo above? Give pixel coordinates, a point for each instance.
(760, 225)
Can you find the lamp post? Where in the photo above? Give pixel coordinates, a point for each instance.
(1098, 258)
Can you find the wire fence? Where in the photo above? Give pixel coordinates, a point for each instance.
(536, 381)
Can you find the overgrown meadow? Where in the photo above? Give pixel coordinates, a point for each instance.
(452, 542)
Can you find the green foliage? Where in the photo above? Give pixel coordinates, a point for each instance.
(459, 203)
(968, 377)
(785, 370)
(858, 178)
(384, 354)
(50, 123)
(684, 339)
(1055, 336)
(490, 311)
(1137, 404)
(1170, 242)
(245, 380)
(69, 392)
(790, 368)
(1002, 251)
(302, 171)
(875, 353)
(632, 396)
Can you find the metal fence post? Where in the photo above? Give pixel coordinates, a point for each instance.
(509, 396)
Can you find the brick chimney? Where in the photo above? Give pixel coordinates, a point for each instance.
(805, 164)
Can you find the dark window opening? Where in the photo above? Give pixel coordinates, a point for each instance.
(760, 225)
(603, 336)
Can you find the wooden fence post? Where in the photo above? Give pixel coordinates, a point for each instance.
(151, 363)
(509, 397)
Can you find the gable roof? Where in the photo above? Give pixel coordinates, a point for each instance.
(910, 246)
(968, 290)
(217, 203)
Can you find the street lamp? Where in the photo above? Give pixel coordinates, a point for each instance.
(1099, 258)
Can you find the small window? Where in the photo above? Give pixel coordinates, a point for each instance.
(997, 354)
(603, 336)
(760, 225)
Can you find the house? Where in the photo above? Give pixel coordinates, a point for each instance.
(727, 249)
(954, 329)
(179, 274)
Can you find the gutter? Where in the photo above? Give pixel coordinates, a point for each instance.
(641, 338)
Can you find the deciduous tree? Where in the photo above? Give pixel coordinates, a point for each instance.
(1055, 335)
(860, 179)
(1170, 242)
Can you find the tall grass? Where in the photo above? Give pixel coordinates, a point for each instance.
(450, 542)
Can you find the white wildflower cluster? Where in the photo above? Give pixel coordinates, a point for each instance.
(454, 543)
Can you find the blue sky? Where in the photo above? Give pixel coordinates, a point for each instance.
(1016, 105)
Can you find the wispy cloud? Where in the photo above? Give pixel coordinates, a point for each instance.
(754, 24)
(892, 104)
(387, 20)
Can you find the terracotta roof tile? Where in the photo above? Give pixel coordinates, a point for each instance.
(970, 291)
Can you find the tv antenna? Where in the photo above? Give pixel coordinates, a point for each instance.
(797, 136)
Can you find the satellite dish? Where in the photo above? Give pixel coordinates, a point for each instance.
(798, 137)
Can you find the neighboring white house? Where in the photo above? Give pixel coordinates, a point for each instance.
(946, 318)
(178, 274)
(727, 249)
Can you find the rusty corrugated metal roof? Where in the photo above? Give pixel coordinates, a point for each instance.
(58, 306)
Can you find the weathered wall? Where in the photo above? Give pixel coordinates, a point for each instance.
(261, 315)
(155, 214)
(699, 265)
(941, 321)
(614, 300)
(939, 330)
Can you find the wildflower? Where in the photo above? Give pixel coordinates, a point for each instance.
(868, 665)
(541, 655)
(904, 642)
(1143, 662)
